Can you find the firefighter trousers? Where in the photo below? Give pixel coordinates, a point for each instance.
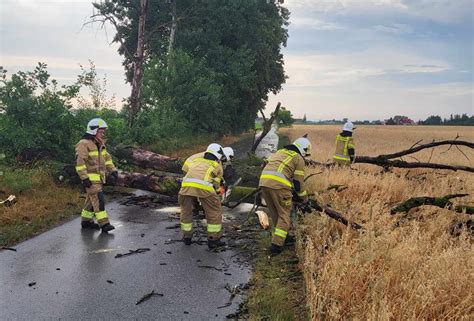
(212, 209)
(279, 203)
(95, 205)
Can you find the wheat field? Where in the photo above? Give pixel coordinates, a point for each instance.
(409, 268)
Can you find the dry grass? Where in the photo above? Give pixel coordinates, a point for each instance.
(41, 204)
(417, 270)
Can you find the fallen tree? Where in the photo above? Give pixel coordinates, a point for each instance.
(161, 184)
(442, 202)
(146, 159)
(389, 160)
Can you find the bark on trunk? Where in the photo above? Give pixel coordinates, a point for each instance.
(146, 159)
(167, 185)
(138, 65)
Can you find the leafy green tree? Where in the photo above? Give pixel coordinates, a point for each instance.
(284, 117)
(433, 120)
(35, 113)
(238, 42)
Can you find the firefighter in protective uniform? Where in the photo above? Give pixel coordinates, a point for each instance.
(202, 182)
(283, 174)
(92, 163)
(344, 153)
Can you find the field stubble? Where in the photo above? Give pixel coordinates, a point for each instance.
(411, 270)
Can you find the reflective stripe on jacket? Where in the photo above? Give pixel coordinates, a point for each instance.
(343, 144)
(202, 179)
(93, 161)
(282, 168)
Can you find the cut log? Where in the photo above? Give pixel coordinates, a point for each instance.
(146, 159)
(442, 202)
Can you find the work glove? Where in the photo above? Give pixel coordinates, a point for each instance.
(86, 183)
(112, 179)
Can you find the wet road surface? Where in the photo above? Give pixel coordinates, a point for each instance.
(71, 274)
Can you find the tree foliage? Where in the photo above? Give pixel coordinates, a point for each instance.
(284, 117)
(234, 45)
(37, 113)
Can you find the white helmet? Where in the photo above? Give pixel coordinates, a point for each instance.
(228, 153)
(304, 146)
(95, 124)
(216, 150)
(349, 127)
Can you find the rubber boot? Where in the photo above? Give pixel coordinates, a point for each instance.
(90, 225)
(212, 244)
(187, 241)
(107, 227)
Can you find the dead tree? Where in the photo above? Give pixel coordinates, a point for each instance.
(267, 125)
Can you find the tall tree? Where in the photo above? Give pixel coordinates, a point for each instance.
(138, 65)
(238, 42)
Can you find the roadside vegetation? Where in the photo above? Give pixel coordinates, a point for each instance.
(41, 202)
(412, 266)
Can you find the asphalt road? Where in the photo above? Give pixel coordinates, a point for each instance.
(70, 274)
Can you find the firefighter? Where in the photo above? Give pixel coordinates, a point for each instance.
(344, 153)
(282, 175)
(202, 182)
(92, 163)
(228, 155)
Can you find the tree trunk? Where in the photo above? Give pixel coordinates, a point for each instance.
(146, 159)
(138, 65)
(267, 125)
(166, 185)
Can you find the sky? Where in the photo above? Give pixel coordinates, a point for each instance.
(356, 59)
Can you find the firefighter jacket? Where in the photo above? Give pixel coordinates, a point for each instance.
(344, 148)
(285, 170)
(189, 160)
(93, 160)
(202, 179)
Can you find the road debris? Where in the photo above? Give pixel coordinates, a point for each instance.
(8, 248)
(148, 296)
(31, 284)
(210, 267)
(9, 201)
(131, 252)
(110, 281)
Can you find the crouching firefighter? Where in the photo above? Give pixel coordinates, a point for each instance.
(92, 163)
(284, 173)
(202, 181)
